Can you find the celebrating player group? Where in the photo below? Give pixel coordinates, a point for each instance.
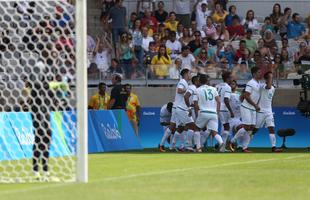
(199, 108)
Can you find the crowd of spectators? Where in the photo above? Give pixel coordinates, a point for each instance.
(209, 38)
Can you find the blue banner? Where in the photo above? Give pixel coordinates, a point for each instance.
(285, 117)
(111, 131)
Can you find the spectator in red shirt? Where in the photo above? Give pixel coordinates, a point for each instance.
(236, 30)
(149, 20)
(240, 53)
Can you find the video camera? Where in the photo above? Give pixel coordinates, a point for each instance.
(304, 104)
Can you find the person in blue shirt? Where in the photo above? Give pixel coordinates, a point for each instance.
(229, 18)
(295, 29)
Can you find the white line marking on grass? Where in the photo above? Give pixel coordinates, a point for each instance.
(57, 185)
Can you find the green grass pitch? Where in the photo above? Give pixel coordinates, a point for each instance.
(174, 176)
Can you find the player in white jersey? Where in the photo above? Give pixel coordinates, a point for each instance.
(264, 117)
(249, 107)
(181, 117)
(226, 112)
(165, 118)
(207, 106)
(189, 97)
(235, 104)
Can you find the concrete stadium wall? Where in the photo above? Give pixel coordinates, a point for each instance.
(158, 96)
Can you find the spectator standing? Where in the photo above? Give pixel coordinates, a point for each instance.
(275, 16)
(160, 14)
(283, 21)
(100, 100)
(125, 54)
(143, 5)
(106, 6)
(172, 22)
(137, 41)
(250, 22)
(133, 108)
(202, 13)
(219, 14)
(232, 12)
(183, 11)
(101, 56)
(119, 95)
(118, 15)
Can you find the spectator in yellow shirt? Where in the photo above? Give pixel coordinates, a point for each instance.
(133, 108)
(101, 99)
(172, 23)
(219, 14)
(161, 63)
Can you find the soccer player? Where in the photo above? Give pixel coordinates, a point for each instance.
(189, 97)
(264, 117)
(100, 100)
(207, 106)
(181, 115)
(165, 118)
(226, 112)
(248, 109)
(133, 108)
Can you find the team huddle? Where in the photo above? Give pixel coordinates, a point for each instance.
(199, 109)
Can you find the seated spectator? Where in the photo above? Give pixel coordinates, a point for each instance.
(171, 23)
(203, 61)
(283, 22)
(149, 21)
(276, 64)
(146, 39)
(306, 56)
(219, 14)
(174, 71)
(267, 26)
(242, 71)
(174, 45)
(205, 46)
(236, 30)
(143, 5)
(229, 18)
(91, 44)
(156, 39)
(162, 30)
(196, 42)
(250, 22)
(202, 13)
(295, 29)
(160, 14)
(240, 53)
(260, 44)
(100, 100)
(179, 31)
(125, 54)
(186, 38)
(250, 43)
(288, 65)
(152, 51)
(308, 25)
(160, 63)
(224, 56)
(137, 70)
(301, 52)
(101, 56)
(275, 16)
(114, 68)
(183, 10)
(223, 3)
(188, 60)
(210, 30)
(269, 41)
(193, 29)
(221, 33)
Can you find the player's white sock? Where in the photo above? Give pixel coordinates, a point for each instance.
(203, 137)
(165, 136)
(219, 139)
(197, 139)
(175, 138)
(225, 135)
(182, 139)
(246, 141)
(273, 140)
(239, 134)
(189, 138)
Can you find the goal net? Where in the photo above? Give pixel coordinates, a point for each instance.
(38, 134)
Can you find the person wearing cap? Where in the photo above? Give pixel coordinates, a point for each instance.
(119, 96)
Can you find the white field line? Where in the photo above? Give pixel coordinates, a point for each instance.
(58, 185)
